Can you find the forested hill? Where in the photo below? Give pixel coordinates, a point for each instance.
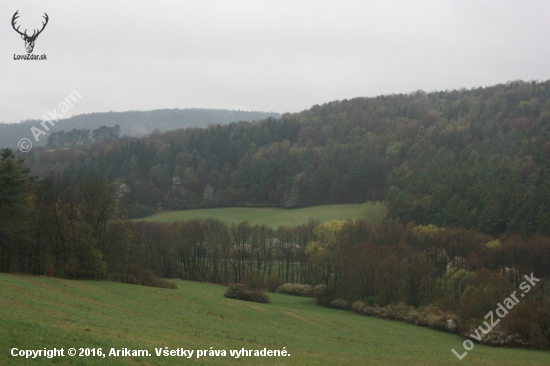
(473, 158)
(132, 123)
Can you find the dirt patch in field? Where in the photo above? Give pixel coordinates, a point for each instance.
(298, 317)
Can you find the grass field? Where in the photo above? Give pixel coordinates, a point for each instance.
(272, 217)
(43, 312)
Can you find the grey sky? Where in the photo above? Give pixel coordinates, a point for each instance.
(282, 56)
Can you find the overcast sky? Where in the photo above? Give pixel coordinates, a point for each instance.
(282, 56)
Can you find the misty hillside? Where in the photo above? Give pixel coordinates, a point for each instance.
(474, 158)
(132, 123)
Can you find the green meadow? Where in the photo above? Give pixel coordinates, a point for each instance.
(269, 216)
(43, 312)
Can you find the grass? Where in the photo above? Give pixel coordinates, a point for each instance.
(272, 217)
(43, 312)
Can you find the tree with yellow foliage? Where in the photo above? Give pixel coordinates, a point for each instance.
(325, 254)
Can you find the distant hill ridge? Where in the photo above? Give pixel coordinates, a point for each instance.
(132, 123)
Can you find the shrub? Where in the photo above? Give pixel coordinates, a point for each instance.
(145, 277)
(299, 289)
(434, 317)
(340, 304)
(295, 289)
(451, 325)
(430, 316)
(159, 282)
(241, 292)
(358, 307)
(500, 338)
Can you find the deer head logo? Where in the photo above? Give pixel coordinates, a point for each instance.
(29, 40)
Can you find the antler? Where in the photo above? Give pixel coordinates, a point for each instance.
(15, 16)
(34, 34)
(43, 26)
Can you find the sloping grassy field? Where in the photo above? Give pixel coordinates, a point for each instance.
(43, 312)
(270, 216)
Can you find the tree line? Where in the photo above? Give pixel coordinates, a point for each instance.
(77, 137)
(76, 221)
(71, 224)
(132, 123)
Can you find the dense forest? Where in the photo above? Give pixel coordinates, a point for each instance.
(464, 158)
(462, 214)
